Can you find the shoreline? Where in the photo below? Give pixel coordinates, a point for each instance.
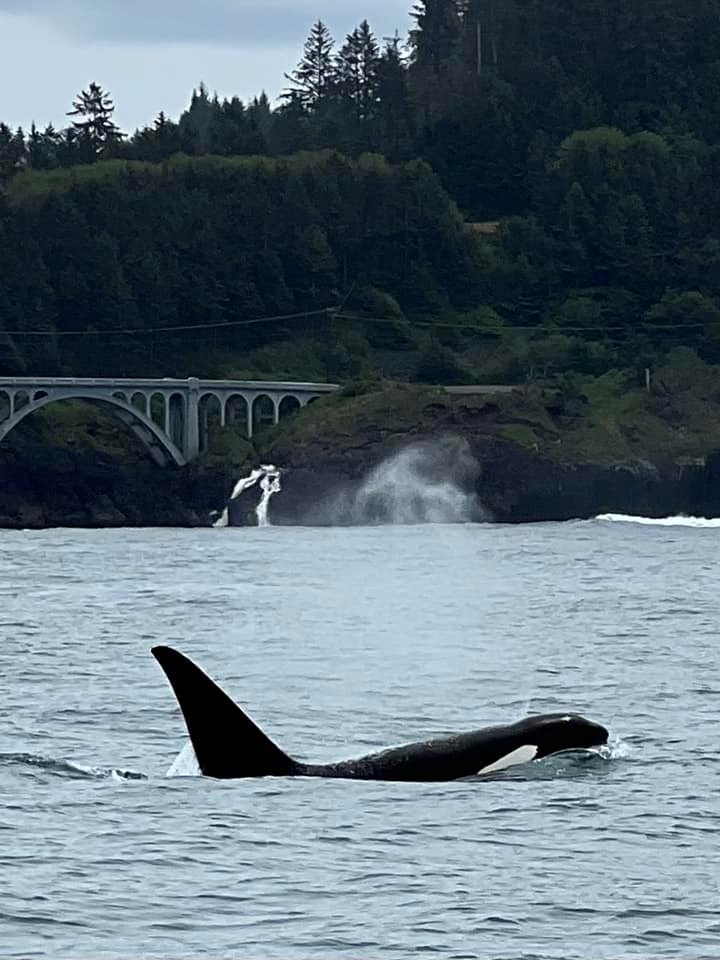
(521, 458)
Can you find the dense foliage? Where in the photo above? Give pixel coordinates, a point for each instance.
(579, 139)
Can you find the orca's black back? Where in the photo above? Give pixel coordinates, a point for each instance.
(448, 758)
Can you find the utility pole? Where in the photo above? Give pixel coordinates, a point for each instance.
(479, 39)
(493, 34)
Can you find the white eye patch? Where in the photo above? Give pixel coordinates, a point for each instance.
(521, 755)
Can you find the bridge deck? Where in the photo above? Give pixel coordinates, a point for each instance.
(165, 383)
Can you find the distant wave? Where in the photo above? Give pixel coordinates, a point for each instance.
(678, 521)
(68, 768)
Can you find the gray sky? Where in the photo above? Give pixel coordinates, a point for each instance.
(151, 53)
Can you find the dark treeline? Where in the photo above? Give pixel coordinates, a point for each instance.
(208, 243)
(588, 129)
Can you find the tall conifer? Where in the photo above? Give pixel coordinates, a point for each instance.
(312, 80)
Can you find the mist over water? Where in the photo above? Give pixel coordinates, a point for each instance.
(428, 482)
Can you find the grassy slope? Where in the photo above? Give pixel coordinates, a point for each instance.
(603, 421)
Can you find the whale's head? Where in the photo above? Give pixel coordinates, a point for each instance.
(555, 732)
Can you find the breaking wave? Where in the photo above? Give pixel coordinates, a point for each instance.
(679, 521)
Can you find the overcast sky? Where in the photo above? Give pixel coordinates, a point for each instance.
(151, 53)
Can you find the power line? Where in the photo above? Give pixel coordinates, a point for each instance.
(142, 331)
(335, 313)
(532, 328)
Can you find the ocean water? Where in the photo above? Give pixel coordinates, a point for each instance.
(338, 642)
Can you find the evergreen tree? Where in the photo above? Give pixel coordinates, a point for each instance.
(395, 111)
(480, 32)
(436, 40)
(356, 72)
(42, 148)
(13, 153)
(195, 126)
(158, 142)
(94, 109)
(313, 78)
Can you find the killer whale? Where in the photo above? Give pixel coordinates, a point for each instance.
(229, 745)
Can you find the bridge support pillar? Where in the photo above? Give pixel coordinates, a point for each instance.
(192, 421)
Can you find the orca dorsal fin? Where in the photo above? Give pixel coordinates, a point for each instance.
(227, 743)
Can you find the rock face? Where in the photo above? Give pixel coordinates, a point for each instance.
(426, 480)
(510, 485)
(42, 486)
(448, 470)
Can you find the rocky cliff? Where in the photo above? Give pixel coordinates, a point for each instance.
(529, 456)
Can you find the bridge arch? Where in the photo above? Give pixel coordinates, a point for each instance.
(288, 405)
(237, 410)
(143, 426)
(140, 401)
(21, 399)
(159, 411)
(212, 415)
(177, 415)
(264, 411)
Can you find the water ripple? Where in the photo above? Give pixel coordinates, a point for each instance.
(339, 642)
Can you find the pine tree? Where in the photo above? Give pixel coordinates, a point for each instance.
(94, 109)
(313, 78)
(42, 148)
(395, 113)
(356, 71)
(436, 41)
(158, 142)
(196, 123)
(13, 154)
(480, 34)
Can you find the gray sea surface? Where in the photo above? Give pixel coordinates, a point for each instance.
(340, 641)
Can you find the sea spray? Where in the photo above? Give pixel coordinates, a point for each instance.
(427, 482)
(185, 763)
(268, 478)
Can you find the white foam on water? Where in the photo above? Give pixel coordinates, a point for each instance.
(615, 749)
(185, 763)
(223, 520)
(679, 521)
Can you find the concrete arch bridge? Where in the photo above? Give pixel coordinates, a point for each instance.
(171, 417)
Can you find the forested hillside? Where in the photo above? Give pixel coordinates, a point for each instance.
(525, 186)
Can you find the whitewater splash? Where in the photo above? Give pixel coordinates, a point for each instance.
(268, 477)
(423, 483)
(679, 521)
(570, 764)
(185, 763)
